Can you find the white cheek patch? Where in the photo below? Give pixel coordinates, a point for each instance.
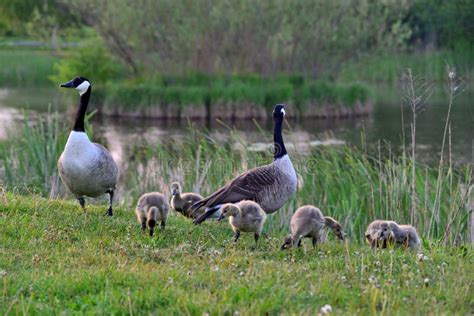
(82, 88)
(283, 111)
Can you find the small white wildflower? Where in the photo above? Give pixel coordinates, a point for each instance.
(372, 279)
(216, 268)
(242, 273)
(343, 279)
(236, 313)
(326, 309)
(3, 273)
(377, 263)
(422, 257)
(444, 264)
(451, 75)
(426, 281)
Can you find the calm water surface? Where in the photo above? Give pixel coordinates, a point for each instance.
(384, 125)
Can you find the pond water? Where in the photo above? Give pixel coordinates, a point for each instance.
(384, 126)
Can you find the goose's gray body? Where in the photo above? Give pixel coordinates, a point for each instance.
(270, 186)
(86, 168)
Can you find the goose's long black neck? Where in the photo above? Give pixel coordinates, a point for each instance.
(81, 111)
(279, 150)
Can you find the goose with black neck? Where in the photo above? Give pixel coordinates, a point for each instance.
(86, 168)
(270, 186)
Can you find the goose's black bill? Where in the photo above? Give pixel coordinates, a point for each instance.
(69, 84)
(221, 217)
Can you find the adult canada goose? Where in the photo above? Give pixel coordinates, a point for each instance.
(86, 168)
(308, 222)
(245, 216)
(270, 185)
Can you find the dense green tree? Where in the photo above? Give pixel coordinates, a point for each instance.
(244, 36)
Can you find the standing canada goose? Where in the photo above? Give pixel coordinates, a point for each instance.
(86, 168)
(405, 236)
(308, 222)
(379, 234)
(270, 185)
(245, 216)
(182, 202)
(151, 208)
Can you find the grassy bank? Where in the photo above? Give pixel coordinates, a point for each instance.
(20, 68)
(56, 260)
(226, 96)
(350, 184)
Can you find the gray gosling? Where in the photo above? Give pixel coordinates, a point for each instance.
(308, 222)
(405, 236)
(244, 216)
(182, 202)
(379, 234)
(151, 208)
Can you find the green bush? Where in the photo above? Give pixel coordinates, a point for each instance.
(90, 60)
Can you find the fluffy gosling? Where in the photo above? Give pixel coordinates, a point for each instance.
(181, 202)
(308, 222)
(405, 236)
(379, 234)
(151, 208)
(244, 216)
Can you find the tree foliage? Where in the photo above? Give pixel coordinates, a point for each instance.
(244, 36)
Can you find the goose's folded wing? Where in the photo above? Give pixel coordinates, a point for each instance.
(106, 167)
(246, 186)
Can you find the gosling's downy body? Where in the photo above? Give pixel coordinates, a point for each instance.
(405, 236)
(152, 208)
(379, 234)
(308, 222)
(86, 168)
(182, 202)
(244, 216)
(270, 186)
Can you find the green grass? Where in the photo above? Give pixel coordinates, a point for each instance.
(389, 68)
(353, 185)
(55, 260)
(19, 68)
(199, 89)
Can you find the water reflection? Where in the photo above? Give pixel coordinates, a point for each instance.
(383, 126)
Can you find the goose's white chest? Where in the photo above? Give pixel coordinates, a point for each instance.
(79, 155)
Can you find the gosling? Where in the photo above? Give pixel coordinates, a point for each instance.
(379, 234)
(308, 222)
(151, 208)
(405, 236)
(244, 216)
(181, 202)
